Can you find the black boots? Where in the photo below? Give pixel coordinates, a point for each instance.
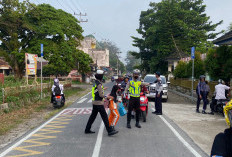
(128, 126)
(138, 125)
(89, 132)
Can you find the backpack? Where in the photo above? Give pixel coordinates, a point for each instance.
(57, 90)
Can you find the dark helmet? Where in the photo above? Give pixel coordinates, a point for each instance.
(202, 76)
(157, 73)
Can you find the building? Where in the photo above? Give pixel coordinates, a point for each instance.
(224, 40)
(5, 68)
(100, 57)
(173, 60)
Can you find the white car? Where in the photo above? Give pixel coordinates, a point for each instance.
(152, 93)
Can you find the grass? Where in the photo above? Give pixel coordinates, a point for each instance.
(14, 117)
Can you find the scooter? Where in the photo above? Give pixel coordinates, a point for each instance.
(143, 106)
(58, 101)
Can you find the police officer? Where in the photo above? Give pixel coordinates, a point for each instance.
(201, 94)
(159, 93)
(134, 87)
(98, 105)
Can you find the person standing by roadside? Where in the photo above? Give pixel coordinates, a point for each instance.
(98, 105)
(159, 93)
(201, 94)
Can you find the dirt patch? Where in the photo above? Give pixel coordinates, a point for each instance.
(201, 128)
(30, 119)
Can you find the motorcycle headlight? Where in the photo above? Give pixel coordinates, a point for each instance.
(142, 99)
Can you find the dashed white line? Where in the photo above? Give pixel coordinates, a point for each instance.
(97, 147)
(81, 101)
(186, 144)
(90, 101)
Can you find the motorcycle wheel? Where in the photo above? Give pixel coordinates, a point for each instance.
(144, 115)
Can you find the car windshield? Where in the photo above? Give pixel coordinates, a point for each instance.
(152, 79)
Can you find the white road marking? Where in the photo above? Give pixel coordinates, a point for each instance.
(28, 136)
(81, 101)
(90, 101)
(33, 132)
(186, 144)
(97, 146)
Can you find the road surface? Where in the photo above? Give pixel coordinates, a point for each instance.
(63, 136)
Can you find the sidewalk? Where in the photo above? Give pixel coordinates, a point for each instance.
(201, 128)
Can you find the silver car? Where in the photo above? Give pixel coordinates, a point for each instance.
(152, 93)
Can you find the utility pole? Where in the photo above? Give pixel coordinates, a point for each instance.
(80, 17)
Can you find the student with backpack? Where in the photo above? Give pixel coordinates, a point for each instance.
(57, 89)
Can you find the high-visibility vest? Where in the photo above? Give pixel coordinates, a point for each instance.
(95, 93)
(135, 88)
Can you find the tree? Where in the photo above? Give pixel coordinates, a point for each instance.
(181, 70)
(172, 26)
(83, 62)
(219, 63)
(131, 61)
(24, 27)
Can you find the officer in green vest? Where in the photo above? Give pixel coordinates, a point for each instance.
(134, 87)
(98, 105)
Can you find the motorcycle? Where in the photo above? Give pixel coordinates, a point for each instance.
(143, 106)
(219, 106)
(58, 101)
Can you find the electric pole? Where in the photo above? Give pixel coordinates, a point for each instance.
(80, 17)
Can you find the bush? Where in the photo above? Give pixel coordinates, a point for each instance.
(184, 70)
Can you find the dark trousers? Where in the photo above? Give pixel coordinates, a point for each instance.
(212, 104)
(134, 103)
(204, 98)
(102, 111)
(53, 96)
(158, 102)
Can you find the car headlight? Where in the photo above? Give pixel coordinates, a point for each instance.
(165, 88)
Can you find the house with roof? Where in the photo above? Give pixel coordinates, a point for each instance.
(225, 39)
(5, 68)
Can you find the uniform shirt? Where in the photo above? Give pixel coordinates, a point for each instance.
(61, 88)
(202, 87)
(101, 94)
(220, 90)
(128, 84)
(159, 85)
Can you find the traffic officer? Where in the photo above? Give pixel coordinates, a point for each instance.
(201, 94)
(158, 96)
(134, 87)
(98, 105)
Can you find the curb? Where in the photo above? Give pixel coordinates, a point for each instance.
(184, 95)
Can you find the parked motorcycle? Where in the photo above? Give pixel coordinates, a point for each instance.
(143, 106)
(58, 101)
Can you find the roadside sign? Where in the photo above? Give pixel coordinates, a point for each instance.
(193, 53)
(41, 50)
(31, 63)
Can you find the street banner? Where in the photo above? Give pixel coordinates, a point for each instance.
(31, 63)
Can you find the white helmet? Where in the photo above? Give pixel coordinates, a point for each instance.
(136, 71)
(100, 72)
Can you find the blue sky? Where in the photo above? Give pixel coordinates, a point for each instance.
(117, 20)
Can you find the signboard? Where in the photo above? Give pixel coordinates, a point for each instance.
(31, 63)
(41, 50)
(193, 52)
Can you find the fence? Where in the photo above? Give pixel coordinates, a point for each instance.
(187, 84)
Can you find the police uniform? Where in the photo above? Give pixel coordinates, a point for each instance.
(158, 100)
(98, 106)
(134, 102)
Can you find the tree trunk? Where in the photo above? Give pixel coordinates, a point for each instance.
(178, 51)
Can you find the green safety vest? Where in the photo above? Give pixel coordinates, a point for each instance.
(95, 93)
(135, 88)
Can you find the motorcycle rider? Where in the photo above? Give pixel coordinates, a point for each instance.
(98, 105)
(220, 92)
(57, 89)
(222, 145)
(134, 87)
(201, 94)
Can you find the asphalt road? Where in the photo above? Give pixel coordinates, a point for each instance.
(63, 136)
